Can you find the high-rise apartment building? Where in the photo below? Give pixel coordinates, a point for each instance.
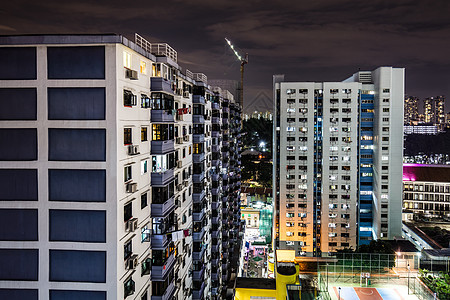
(108, 177)
(411, 110)
(338, 150)
(434, 111)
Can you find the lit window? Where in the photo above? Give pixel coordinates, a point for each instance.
(127, 60)
(333, 148)
(331, 225)
(144, 136)
(365, 193)
(143, 67)
(366, 174)
(290, 91)
(290, 129)
(289, 233)
(332, 234)
(332, 177)
(145, 234)
(303, 148)
(333, 129)
(384, 196)
(290, 148)
(290, 110)
(385, 158)
(345, 158)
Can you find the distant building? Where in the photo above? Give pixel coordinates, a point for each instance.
(434, 111)
(227, 84)
(259, 115)
(426, 190)
(428, 129)
(337, 161)
(411, 110)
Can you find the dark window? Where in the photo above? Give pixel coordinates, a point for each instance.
(18, 144)
(87, 62)
(146, 266)
(76, 103)
(19, 264)
(18, 104)
(18, 225)
(18, 185)
(127, 211)
(127, 249)
(77, 144)
(127, 173)
(144, 200)
(77, 266)
(75, 295)
(87, 226)
(17, 63)
(19, 294)
(129, 99)
(77, 185)
(128, 287)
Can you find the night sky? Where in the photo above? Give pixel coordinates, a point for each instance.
(316, 40)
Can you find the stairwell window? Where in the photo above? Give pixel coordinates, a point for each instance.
(127, 173)
(144, 136)
(127, 60)
(143, 67)
(127, 133)
(129, 99)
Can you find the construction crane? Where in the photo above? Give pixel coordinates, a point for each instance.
(244, 61)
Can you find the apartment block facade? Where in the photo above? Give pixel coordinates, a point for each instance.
(107, 171)
(338, 161)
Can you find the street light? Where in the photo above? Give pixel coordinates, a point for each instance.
(339, 298)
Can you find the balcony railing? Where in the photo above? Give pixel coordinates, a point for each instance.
(162, 210)
(160, 272)
(163, 147)
(162, 178)
(168, 294)
(159, 115)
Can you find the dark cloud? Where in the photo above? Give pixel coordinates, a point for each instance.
(322, 40)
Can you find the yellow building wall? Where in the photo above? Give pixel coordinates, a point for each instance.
(245, 294)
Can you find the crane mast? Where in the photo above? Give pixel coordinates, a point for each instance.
(244, 61)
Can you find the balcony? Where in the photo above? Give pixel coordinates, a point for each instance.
(198, 275)
(215, 134)
(215, 191)
(198, 138)
(215, 234)
(197, 158)
(199, 255)
(198, 216)
(162, 210)
(161, 85)
(198, 119)
(163, 147)
(198, 236)
(159, 115)
(162, 178)
(160, 272)
(160, 241)
(198, 294)
(198, 177)
(198, 197)
(215, 205)
(215, 248)
(198, 99)
(168, 294)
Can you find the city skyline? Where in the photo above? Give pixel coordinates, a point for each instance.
(322, 40)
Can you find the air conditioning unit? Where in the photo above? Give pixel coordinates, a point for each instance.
(133, 149)
(131, 225)
(179, 187)
(132, 262)
(131, 187)
(186, 183)
(131, 74)
(179, 164)
(186, 94)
